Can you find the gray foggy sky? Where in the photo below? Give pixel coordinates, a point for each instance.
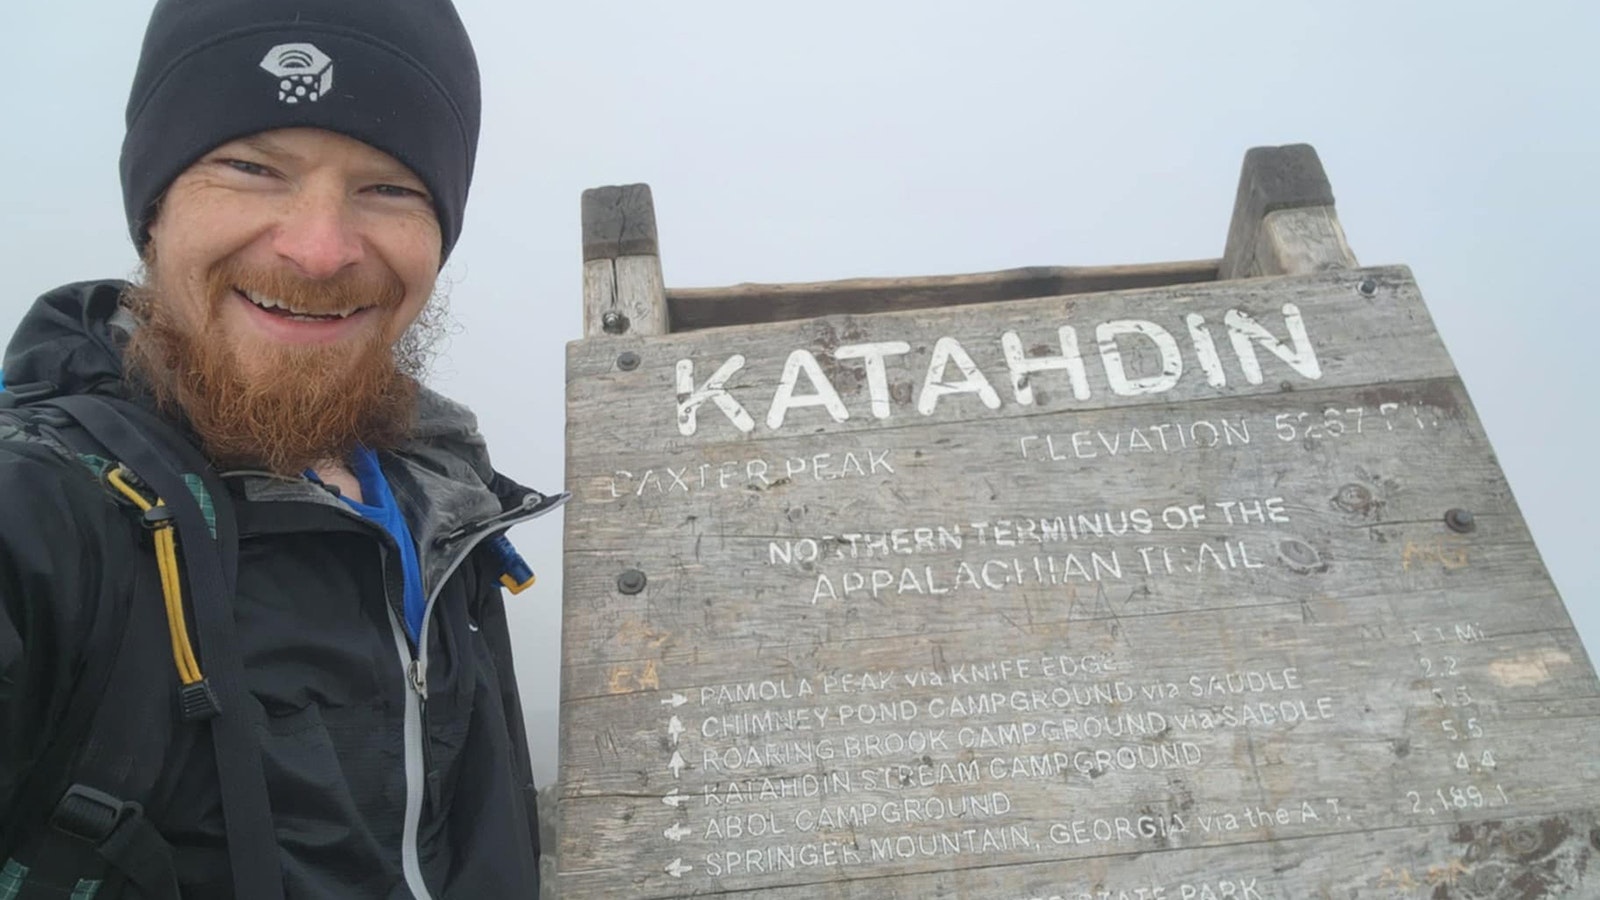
(831, 140)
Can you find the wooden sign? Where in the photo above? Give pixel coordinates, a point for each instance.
(1205, 591)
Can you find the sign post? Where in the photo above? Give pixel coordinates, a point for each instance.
(1212, 589)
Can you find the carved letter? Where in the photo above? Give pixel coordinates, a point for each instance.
(1206, 349)
(785, 400)
(934, 386)
(1244, 332)
(690, 398)
(871, 355)
(1024, 366)
(1111, 356)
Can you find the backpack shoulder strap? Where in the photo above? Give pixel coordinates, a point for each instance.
(149, 447)
(67, 831)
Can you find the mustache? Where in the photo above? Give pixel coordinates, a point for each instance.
(376, 286)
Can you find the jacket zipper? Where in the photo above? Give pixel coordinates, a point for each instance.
(471, 535)
(416, 774)
(415, 668)
(414, 737)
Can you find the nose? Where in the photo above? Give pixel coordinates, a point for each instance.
(317, 234)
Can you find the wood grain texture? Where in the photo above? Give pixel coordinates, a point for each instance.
(599, 294)
(1214, 629)
(1299, 242)
(1499, 859)
(623, 296)
(730, 532)
(1275, 179)
(623, 292)
(619, 220)
(746, 304)
(548, 834)
(1389, 331)
(641, 293)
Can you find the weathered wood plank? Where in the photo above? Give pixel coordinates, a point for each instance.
(1098, 626)
(746, 304)
(1510, 677)
(923, 603)
(640, 289)
(1389, 329)
(623, 296)
(1283, 217)
(618, 221)
(1376, 524)
(623, 291)
(599, 296)
(1301, 241)
(1493, 859)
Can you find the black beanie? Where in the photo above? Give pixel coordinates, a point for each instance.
(399, 75)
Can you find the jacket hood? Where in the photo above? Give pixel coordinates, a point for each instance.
(68, 341)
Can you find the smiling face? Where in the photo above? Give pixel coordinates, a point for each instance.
(344, 232)
(284, 270)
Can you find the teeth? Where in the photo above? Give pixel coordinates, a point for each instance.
(265, 302)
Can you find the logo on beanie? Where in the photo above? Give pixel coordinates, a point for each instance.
(304, 73)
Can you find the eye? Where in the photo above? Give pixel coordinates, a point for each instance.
(395, 190)
(247, 167)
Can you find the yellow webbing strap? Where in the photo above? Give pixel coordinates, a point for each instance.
(515, 586)
(171, 586)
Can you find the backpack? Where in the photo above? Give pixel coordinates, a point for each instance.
(77, 825)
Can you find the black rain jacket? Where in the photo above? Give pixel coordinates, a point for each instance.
(359, 812)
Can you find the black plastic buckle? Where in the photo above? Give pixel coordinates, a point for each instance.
(199, 701)
(91, 815)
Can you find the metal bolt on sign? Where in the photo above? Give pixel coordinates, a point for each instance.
(1460, 521)
(631, 581)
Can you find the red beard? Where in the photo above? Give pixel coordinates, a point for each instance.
(306, 404)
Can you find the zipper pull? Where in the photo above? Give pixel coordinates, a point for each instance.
(417, 672)
(530, 502)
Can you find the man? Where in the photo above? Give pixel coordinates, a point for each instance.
(294, 175)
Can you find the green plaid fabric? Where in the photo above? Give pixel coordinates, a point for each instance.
(11, 878)
(197, 487)
(15, 875)
(97, 464)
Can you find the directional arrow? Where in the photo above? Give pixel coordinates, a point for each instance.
(675, 701)
(676, 868)
(674, 799)
(676, 833)
(676, 764)
(674, 729)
